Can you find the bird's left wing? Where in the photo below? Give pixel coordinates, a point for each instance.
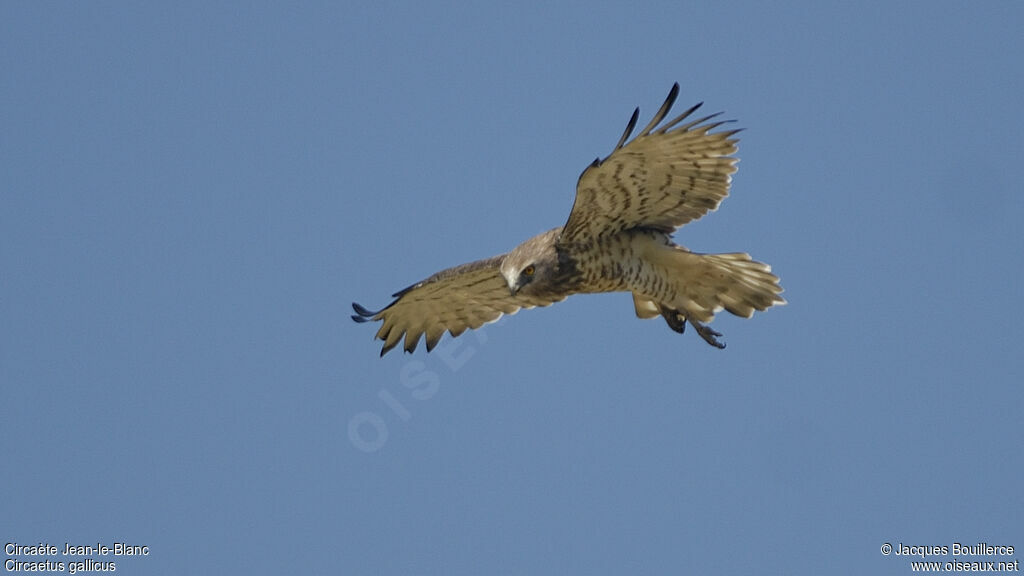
(452, 300)
(662, 179)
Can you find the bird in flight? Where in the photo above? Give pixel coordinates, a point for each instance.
(617, 239)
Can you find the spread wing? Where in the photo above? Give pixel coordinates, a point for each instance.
(452, 300)
(662, 179)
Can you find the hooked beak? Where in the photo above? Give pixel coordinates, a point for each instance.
(513, 286)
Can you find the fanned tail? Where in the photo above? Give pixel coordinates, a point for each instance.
(704, 284)
(733, 282)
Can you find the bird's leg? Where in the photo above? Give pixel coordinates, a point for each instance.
(676, 320)
(709, 335)
(673, 318)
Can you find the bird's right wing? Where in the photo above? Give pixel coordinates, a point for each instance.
(452, 300)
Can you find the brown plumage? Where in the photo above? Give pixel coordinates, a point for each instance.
(617, 239)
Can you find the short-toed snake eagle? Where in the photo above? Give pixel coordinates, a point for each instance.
(617, 239)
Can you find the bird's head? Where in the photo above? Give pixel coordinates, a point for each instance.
(532, 265)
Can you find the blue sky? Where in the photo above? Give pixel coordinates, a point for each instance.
(193, 195)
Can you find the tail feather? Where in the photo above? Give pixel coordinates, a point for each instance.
(704, 284)
(741, 285)
(733, 281)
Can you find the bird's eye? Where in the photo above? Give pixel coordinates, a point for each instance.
(529, 270)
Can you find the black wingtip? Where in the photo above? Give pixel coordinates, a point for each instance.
(629, 128)
(662, 112)
(731, 133)
(363, 312)
(432, 342)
